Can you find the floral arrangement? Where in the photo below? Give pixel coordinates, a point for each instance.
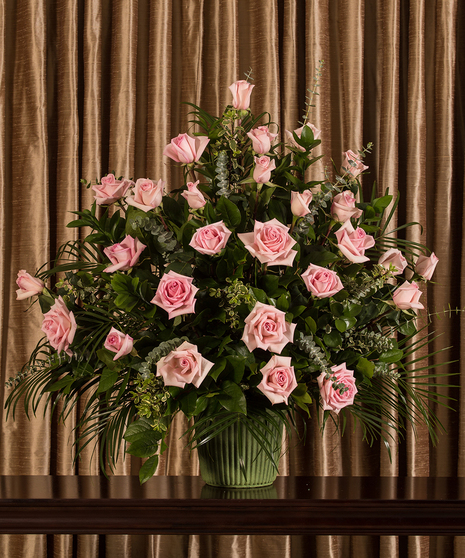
(247, 292)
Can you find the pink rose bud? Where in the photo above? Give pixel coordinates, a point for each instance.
(426, 265)
(124, 255)
(59, 326)
(298, 132)
(263, 167)
(353, 242)
(266, 328)
(193, 196)
(210, 239)
(175, 294)
(407, 296)
(118, 343)
(322, 282)
(184, 149)
(395, 258)
(261, 139)
(343, 207)
(184, 365)
(241, 91)
(352, 164)
(299, 202)
(339, 390)
(147, 195)
(278, 379)
(110, 189)
(28, 285)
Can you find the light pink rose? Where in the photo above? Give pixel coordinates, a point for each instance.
(352, 164)
(60, 326)
(184, 365)
(123, 255)
(278, 379)
(263, 167)
(241, 91)
(147, 195)
(28, 285)
(425, 266)
(407, 296)
(210, 239)
(110, 189)
(175, 294)
(322, 282)
(118, 343)
(393, 257)
(299, 202)
(343, 207)
(270, 243)
(339, 390)
(184, 149)
(266, 328)
(261, 139)
(353, 242)
(298, 132)
(193, 196)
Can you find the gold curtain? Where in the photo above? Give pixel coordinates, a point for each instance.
(93, 86)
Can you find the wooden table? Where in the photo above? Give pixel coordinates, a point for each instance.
(173, 505)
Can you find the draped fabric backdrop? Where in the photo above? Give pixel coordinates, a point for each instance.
(90, 87)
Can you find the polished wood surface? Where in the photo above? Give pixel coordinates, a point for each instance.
(293, 505)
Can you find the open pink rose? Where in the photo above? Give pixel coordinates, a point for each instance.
(263, 167)
(210, 239)
(266, 328)
(241, 91)
(270, 243)
(278, 379)
(60, 326)
(425, 266)
(407, 296)
(193, 196)
(352, 164)
(124, 255)
(184, 149)
(28, 285)
(261, 139)
(110, 189)
(184, 365)
(175, 294)
(298, 132)
(322, 282)
(395, 258)
(353, 242)
(147, 195)
(343, 207)
(299, 202)
(339, 390)
(118, 343)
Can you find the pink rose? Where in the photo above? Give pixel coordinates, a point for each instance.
(124, 255)
(184, 149)
(266, 328)
(322, 282)
(353, 242)
(241, 91)
(270, 243)
(298, 132)
(261, 139)
(147, 195)
(28, 285)
(278, 379)
(407, 296)
(210, 239)
(343, 207)
(110, 189)
(339, 390)
(299, 202)
(118, 343)
(184, 365)
(393, 257)
(60, 326)
(263, 167)
(193, 196)
(426, 265)
(175, 294)
(352, 164)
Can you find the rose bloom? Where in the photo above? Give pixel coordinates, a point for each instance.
(60, 326)
(184, 149)
(343, 207)
(353, 242)
(193, 196)
(333, 399)
(147, 195)
(118, 343)
(241, 91)
(298, 132)
(407, 296)
(263, 167)
(270, 243)
(124, 255)
(299, 202)
(278, 379)
(350, 157)
(393, 257)
(425, 266)
(175, 294)
(184, 365)
(110, 189)
(28, 285)
(322, 282)
(210, 239)
(266, 328)
(261, 139)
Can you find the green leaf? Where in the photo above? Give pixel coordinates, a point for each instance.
(235, 399)
(229, 212)
(283, 302)
(394, 355)
(136, 430)
(332, 339)
(366, 367)
(173, 210)
(343, 324)
(188, 403)
(148, 469)
(108, 380)
(408, 329)
(62, 384)
(146, 445)
(216, 370)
